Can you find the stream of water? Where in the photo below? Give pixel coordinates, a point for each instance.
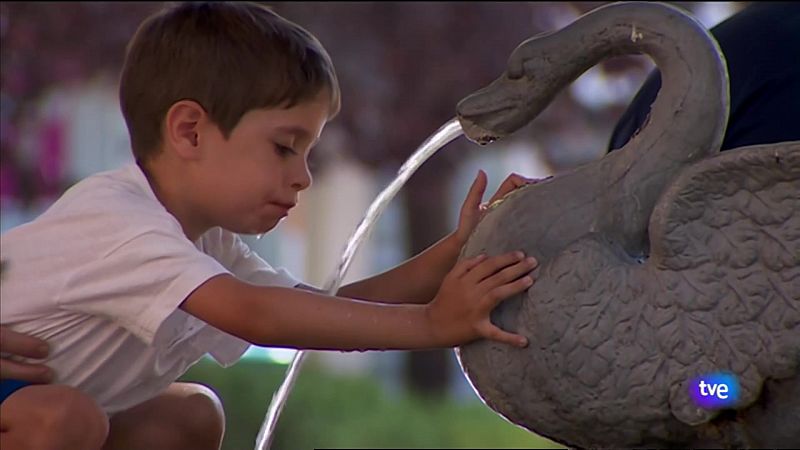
(444, 135)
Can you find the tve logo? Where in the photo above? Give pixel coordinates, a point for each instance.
(715, 390)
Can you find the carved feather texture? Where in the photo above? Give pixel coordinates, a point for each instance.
(614, 341)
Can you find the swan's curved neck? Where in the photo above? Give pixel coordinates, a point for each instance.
(691, 110)
(687, 120)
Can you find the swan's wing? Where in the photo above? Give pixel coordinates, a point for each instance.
(725, 240)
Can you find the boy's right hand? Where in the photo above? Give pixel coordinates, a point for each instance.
(474, 287)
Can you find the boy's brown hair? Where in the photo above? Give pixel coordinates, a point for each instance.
(228, 57)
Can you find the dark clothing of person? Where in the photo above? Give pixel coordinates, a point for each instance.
(761, 44)
(9, 386)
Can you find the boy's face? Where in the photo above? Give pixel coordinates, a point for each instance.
(252, 180)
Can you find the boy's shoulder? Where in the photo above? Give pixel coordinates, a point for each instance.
(125, 187)
(98, 206)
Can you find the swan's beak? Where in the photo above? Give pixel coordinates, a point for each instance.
(495, 111)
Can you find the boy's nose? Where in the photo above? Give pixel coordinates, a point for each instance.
(303, 180)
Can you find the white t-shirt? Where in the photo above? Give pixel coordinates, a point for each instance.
(100, 275)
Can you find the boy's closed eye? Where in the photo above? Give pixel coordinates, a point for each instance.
(284, 151)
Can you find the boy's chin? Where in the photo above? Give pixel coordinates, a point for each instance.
(261, 228)
(254, 226)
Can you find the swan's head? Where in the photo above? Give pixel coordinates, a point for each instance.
(513, 100)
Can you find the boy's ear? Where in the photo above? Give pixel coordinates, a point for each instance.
(182, 124)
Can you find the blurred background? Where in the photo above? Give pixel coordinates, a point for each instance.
(403, 66)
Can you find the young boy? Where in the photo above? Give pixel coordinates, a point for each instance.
(134, 274)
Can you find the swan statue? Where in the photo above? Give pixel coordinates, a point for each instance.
(661, 266)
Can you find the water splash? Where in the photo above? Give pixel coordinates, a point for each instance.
(448, 132)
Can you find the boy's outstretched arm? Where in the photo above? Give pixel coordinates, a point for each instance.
(286, 317)
(417, 279)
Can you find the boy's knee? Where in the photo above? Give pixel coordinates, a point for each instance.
(204, 416)
(51, 416)
(187, 416)
(76, 418)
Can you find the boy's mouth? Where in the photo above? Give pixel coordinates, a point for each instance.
(284, 205)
